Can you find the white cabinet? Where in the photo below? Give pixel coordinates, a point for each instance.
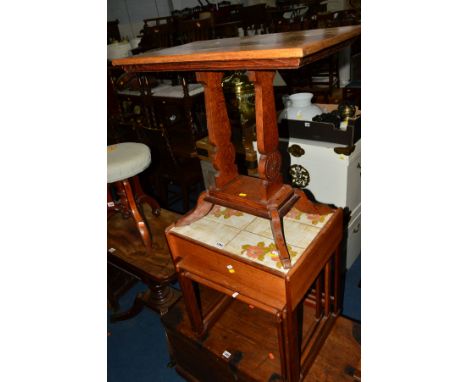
(333, 179)
(353, 239)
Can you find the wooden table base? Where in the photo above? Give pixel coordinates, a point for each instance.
(158, 298)
(242, 346)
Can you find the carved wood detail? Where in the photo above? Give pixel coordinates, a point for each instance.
(219, 128)
(269, 164)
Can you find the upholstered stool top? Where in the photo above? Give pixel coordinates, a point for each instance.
(127, 159)
(249, 236)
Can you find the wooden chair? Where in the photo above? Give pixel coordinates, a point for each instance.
(157, 33)
(113, 33)
(194, 30)
(174, 151)
(320, 78)
(226, 20)
(254, 19)
(286, 19)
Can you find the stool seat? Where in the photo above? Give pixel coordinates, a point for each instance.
(125, 160)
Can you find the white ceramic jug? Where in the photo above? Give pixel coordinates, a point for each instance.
(119, 50)
(298, 106)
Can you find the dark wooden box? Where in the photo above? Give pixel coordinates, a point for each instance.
(248, 339)
(321, 131)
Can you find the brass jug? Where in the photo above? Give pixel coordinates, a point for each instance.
(239, 93)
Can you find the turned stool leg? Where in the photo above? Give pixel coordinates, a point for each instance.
(137, 216)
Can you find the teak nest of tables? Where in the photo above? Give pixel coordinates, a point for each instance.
(306, 251)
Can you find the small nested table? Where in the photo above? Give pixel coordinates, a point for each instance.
(266, 200)
(235, 253)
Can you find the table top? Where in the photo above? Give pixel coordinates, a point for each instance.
(286, 50)
(124, 237)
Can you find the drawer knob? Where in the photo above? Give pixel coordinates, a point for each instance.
(172, 118)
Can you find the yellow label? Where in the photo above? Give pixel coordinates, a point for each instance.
(242, 194)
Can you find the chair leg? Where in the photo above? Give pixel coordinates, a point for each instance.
(137, 216)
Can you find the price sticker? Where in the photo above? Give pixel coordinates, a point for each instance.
(226, 354)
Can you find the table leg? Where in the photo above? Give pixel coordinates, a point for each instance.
(337, 286)
(282, 350)
(291, 345)
(276, 224)
(305, 205)
(158, 297)
(202, 208)
(192, 306)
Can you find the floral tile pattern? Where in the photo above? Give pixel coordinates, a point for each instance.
(305, 218)
(261, 250)
(249, 236)
(230, 217)
(296, 233)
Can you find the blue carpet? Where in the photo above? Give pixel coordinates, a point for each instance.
(136, 348)
(352, 291)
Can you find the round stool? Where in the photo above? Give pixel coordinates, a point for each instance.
(124, 162)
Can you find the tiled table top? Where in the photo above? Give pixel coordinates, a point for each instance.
(249, 236)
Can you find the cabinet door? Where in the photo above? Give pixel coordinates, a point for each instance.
(353, 186)
(353, 243)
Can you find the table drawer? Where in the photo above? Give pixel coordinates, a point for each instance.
(251, 281)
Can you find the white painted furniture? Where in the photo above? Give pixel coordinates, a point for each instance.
(334, 179)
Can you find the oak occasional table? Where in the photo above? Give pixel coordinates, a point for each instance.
(305, 255)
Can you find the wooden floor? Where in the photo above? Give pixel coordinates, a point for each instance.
(340, 356)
